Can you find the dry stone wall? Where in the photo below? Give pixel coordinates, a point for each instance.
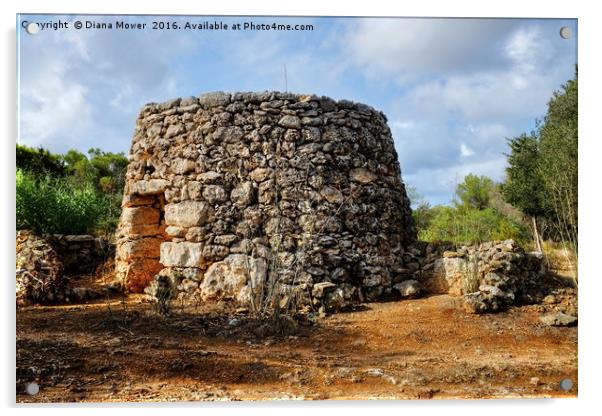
(226, 191)
(490, 276)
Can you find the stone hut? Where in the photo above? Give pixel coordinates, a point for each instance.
(227, 191)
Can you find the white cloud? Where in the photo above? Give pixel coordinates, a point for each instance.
(53, 106)
(412, 48)
(465, 151)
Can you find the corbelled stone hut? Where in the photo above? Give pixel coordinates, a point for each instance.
(227, 191)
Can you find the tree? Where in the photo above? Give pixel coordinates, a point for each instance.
(39, 161)
(524, 187)
(558, 160)
(474, 192)
(542, 174)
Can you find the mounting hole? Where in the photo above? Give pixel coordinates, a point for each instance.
(566, 384)
(32, 28)
(565, 32)
(32, 389)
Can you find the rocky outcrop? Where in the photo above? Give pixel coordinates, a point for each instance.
(301, 190)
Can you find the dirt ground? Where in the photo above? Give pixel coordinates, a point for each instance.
(121, 350)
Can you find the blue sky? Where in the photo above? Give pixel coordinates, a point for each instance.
(453, 90)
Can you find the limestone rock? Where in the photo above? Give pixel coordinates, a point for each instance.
(408, 288)
(332, 195)
(140, 216)
(233, 278)
(243, 194)
(181, 166)
(150, 187)
(362, 175)
(140, 248)
(187, 213)
(558, 319)
(214, 194)
(447, 275)
(290, 122)
(183, 254)
(214, 99)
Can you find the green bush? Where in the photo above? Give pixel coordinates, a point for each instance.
(49, 204)
(462, 225)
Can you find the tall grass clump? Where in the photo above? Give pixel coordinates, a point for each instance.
(52, 205)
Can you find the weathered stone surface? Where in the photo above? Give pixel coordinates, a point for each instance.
(214, 99)
(181, 166)
(150, 187)
(362, 175)
(447, 275)
(233, 278)
(140, 248)
(141, 230)
(140, 216)
(214, 194)
(243, 194)
(558, 319)
(138, 273)
(187, 213)
(332, 195)
(183, 254)
(408, 288)
(290, 122)
(260, 174)
(135, 200)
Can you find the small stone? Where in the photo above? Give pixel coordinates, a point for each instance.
(243, 194)
(214, 99)
(550, 300)
(290, 122)
(214, 194)
(332, 195)
(558, 319)
(181, 166)
(362, 175)
(408, 288)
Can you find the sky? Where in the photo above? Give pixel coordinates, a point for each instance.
(453, 90)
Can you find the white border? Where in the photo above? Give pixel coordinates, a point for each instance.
(590, 69)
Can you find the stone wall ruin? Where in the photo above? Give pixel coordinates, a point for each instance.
(226, 191)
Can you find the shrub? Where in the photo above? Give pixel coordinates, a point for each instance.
(49, 204)
(471, 226)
